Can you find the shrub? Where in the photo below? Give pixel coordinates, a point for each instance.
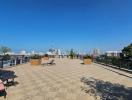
(72, 54)
(35, 56)
(46, 55)
(6, 57)
(87, 57)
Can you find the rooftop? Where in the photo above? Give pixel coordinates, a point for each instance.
(62, 81)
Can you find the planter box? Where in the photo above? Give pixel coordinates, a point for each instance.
(45, 58)
(87, 61)
(35, 61)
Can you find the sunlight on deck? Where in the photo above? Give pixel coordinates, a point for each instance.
(61, 81)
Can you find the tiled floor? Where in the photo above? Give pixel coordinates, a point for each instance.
(60, 81)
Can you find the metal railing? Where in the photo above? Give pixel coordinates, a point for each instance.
(12, 62)
(123, 64)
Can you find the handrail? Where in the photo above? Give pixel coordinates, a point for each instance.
(116, 67)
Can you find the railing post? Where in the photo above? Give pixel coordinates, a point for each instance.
(106, 61)
(120, 64)
(2, 62)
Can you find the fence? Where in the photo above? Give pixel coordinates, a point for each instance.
(124, 64)
(12, 62)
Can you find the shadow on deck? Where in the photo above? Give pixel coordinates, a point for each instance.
(106, 90)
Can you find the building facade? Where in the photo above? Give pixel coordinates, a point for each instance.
(113, 53)
(96, 53)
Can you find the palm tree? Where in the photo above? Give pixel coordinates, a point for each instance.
(4, 50)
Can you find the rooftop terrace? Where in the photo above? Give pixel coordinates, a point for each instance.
(68, 80)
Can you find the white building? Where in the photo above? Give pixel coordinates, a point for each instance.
(23, 52)
(41, 53)
(113, 53)
(59, 52)
(96, 52)
(10, 53)
(28, 53)
(55, 52)
(32, 52)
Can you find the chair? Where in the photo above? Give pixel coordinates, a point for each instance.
(10, 82)
(8, 78)
(49, 62)
(2, 89)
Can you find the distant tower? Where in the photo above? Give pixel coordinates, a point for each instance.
(96, 52)
(59, 52)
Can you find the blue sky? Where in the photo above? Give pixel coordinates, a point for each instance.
(78, 24)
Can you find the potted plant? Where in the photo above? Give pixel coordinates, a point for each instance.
(72, 54)
(46, 57)
(35, 60)
(87, 59)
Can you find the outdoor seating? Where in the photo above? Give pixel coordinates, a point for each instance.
(2, 89)
(51, 62)
(7, 77)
